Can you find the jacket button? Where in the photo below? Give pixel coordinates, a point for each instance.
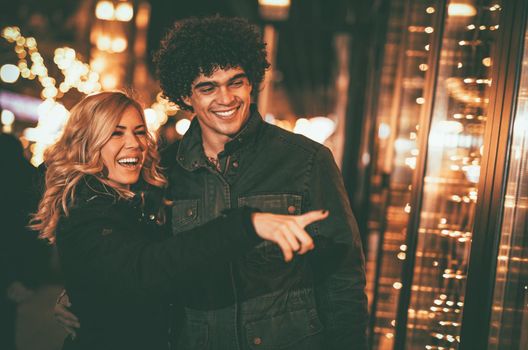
(189, 212)
(257, 341)
(181, 158)
(291, 209)
(235, 164)
(152, 217)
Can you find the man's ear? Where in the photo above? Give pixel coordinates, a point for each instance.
(187, 100)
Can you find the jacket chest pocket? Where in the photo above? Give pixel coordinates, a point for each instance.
(185, 215)
(285, 204)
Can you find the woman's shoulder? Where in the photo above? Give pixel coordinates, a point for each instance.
(90, 191)
(92, 203)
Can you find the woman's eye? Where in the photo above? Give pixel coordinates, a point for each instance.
(117, 133)
(141, 132)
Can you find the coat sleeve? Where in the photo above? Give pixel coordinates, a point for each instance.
(337, 260)
(96, 251)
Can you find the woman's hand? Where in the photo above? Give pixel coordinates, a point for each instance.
(287, 231)
(64, 317)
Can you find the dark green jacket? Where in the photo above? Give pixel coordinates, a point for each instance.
(259, 301)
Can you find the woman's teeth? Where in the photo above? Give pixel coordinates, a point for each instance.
(129, 162)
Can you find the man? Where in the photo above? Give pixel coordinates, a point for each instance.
(228, 158)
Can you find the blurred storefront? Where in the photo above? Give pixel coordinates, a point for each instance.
(445, 160)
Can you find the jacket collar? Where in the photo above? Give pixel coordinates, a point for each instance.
(191, 155)
(90, 187)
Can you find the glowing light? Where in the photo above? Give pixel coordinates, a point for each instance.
(486, 62)
(448, 127)
(124, 12)
(430, 10)
(403, 145)
(182, 126)
(9, 73)
(98, 64)
(423, 67)
(104, 43)
(318, 128)
(109, 82)
(105, 10)
(397, 285)
(383, 131)
(429, 30)
(282, 3)
(7, 117)
(461, 10)
(119, 44)
(420, 100)
(472, 173)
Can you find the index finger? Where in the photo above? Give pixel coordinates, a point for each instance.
(311, 216)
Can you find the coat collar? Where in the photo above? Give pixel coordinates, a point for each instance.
(191, 155)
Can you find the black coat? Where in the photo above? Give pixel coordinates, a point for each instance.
(119, 269)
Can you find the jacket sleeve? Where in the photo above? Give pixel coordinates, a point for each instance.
(97, 251)
(337, 260)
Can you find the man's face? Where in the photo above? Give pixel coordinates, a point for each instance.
(221, 103)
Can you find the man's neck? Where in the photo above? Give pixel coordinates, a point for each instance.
(213, 145)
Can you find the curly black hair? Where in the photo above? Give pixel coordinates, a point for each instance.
(197, 46)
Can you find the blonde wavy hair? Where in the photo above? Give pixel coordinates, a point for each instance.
(77, 154)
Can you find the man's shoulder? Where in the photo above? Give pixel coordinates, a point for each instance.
(275, 136)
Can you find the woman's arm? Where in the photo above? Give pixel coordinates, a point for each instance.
(98, 252)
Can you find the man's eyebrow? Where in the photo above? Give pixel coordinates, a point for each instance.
(214, 83)
(205, 83)
(238, 76)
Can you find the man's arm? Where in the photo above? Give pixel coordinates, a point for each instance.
(337, 261)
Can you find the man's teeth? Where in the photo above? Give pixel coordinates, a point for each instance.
(128, 161)
(226, 113)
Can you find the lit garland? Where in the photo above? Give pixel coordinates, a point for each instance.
(52, 115)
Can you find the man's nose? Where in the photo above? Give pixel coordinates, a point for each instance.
(225, 96)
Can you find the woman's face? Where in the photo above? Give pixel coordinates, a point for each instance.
(123, 154)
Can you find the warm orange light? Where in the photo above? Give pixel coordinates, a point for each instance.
(124, 12)
(461, 10)
(109, 82)
(283, 3)
(119, 44)
(104, 43)
(105, 10)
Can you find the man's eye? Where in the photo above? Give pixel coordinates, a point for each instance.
(207, 90)
(237, 83)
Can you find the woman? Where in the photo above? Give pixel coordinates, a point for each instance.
(119, 266)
